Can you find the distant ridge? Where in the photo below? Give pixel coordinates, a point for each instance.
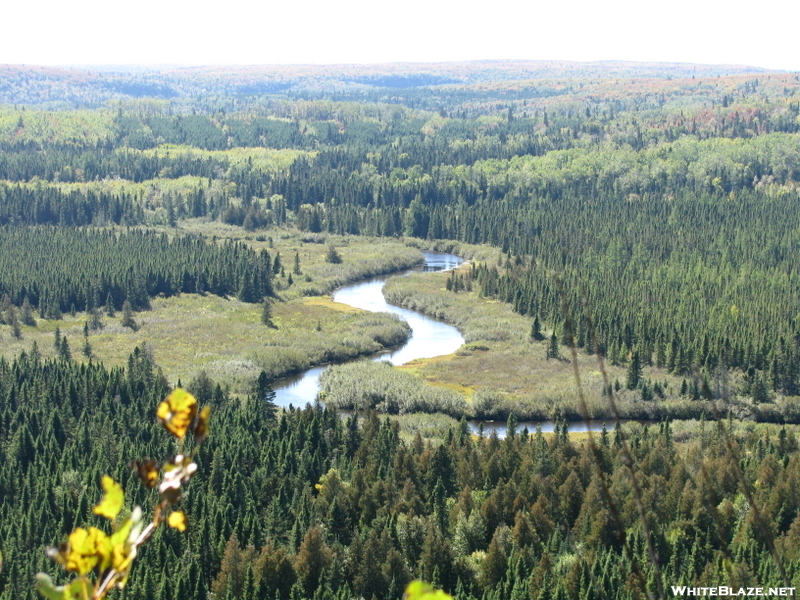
(72, 86)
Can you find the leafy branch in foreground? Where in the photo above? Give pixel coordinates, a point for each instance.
(419, 590)
(110, 557)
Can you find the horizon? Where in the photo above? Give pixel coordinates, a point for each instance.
(90, 32)
(167, 66)
(410, 62)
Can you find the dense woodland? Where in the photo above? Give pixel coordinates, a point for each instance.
(654, 208)
(60, 269)
(631, 191)
(305, 504)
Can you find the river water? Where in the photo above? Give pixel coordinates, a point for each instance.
(429, 338)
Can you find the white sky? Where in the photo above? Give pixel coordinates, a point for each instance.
(60, 32)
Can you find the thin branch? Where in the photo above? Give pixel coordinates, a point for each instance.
(759, 518)
(628, 460)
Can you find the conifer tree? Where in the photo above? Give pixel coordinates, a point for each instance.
(552, 347)
(127, 316)
(536, 329)
(760, 391)
(266, 313)
(110, 313)
(87, 347)
(26, 313)
(313, 558)
(333, 256)
(63, 350)
(634, 371)
(95, 319)
(5, 307)
(16, 331)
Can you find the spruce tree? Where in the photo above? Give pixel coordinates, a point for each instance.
(14, 322)
(552, 347)
(634, 371)
(95, 319)
(5, 307)
(127, 316)
(87, 347)
(536, 329)
(110, 313)
(333, 256)
(266, 313)
(760, 391)
(26, 313)
(63, 350)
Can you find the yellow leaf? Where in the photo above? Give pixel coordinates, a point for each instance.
(147, 472)
(124, 546)
(78, 589)
(85, 549)
(201, 430)
(177, 412)
(419, 590)
(111, 503)
(177, 520)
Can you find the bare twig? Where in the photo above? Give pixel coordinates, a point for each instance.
(759, 518)
(627, 458)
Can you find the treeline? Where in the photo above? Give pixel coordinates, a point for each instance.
(696, 282)
(66, 165)
(689, 166)
(635, 194)
(66, 269)
(685, 253)
(209, 133)
(306, 504)
(49, 205)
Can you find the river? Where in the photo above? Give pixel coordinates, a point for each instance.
(429, 338)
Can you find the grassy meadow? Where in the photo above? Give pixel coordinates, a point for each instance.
(225, 338)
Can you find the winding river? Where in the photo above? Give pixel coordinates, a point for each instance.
(429, 338)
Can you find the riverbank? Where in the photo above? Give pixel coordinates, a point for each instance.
(502, 370)
(383, 387)
(225, 339)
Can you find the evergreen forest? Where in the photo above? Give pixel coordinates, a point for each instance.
(642, 218)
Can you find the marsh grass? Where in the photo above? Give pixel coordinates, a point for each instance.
(430, 427)
(501, 370)
(225, 337)
(367, 385)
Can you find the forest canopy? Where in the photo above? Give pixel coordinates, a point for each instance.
(647, 212)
